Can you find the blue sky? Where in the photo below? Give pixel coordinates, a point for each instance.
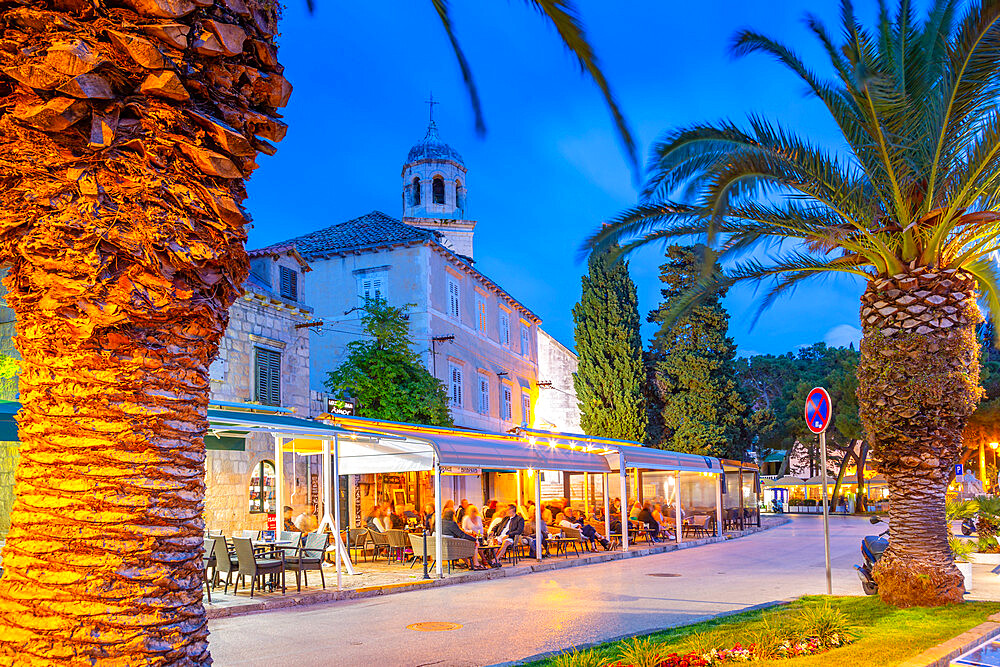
(550, 168)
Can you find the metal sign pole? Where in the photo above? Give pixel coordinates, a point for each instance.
(826, 514)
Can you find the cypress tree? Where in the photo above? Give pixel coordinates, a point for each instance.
(610, 376)
(698, 404)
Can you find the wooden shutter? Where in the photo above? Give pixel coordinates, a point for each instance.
(289, 288)
(453, 302)
(268, 370)
(456, 386)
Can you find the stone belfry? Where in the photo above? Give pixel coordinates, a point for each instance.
(434, 193)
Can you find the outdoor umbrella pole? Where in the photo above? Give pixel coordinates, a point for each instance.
(336, 505)
(538, 515)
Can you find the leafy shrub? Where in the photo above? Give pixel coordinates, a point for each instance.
(987, 545)
(701, 643)
(576, 658)
(960, 549)
(956, 510)
(641, 653)
(829, 626)
(989, 515)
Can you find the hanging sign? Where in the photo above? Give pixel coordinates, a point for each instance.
(819, 410)
(459, 470)
(343, 407)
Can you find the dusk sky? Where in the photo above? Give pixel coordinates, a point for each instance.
(550, 168)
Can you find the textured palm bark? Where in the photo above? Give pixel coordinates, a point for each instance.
(918, 383)
(126, 132)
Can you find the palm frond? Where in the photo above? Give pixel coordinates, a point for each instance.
(563, 16)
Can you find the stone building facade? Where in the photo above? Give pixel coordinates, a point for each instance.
(263, 359)
(474, 336)
(558, 408)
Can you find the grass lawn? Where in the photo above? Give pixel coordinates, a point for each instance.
(884, 635)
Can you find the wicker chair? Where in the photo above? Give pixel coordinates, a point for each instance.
(398, 543)
(308, 556)
(453, 548)
(357, 540)
(249, 565)
(224, 563)
(381, 544)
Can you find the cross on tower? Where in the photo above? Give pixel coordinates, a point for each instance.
(430, 103)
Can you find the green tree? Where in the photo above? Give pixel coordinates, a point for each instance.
(610, 376)
(700, 406)
(910, 204)
(383, 373)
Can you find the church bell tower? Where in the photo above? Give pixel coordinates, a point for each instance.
(434, 194)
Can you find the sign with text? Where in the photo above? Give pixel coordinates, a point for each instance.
(460, 470)
(346, 407)
(959, 470)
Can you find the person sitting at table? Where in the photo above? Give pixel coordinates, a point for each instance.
(287, 522)
(306, 522)
(531, 535)
(463, 507)
(451, 529)
(491, 510)
(499, 517)
(646, 516)
(429, 517)
(508, 529)
(472, 523)
(393, 520)
(570, 521)
(633, 513)
(376, 519)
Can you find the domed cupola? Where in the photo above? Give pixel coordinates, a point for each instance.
(432, 148)
(434, 193)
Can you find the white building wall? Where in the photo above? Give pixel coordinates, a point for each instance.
(558, 408)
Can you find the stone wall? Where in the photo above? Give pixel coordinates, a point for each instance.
(258, 319)
(557, 408)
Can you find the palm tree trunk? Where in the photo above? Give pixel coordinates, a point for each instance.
(121, 176)
(918, 382)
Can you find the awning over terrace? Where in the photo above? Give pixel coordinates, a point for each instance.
(636, 456)
(415, 448)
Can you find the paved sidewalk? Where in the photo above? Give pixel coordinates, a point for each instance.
(383, 577)
(511, 618)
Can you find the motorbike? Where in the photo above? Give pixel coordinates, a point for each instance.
(872, 548)
(970, 525)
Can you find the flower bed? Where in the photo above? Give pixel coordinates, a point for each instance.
(749, 653)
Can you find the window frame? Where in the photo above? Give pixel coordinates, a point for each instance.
(506, 402)
(292, 282)
(483, 393)
(435, 182)
(454, 290)
(379, 286)
(503, 325)
(261, 488)
(455, 385)
(525, 409)
(482, 322)
(415, 191)
(267, 376)
(525, 341)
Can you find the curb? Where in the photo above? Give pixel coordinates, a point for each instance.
(321, 597)
(942, 654)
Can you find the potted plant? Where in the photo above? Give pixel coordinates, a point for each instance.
(960, 551)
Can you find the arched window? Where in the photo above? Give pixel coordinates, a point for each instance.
(415, 192)
(438, 190)
(459, 194)
(262, 488)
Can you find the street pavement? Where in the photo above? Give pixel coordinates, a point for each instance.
(509, 619)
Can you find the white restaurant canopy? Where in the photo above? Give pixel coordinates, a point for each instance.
(416, 448)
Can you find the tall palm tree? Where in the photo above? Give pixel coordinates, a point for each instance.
(126, 132)
(909, 204)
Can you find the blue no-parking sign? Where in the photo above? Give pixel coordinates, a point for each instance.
(819, 410)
